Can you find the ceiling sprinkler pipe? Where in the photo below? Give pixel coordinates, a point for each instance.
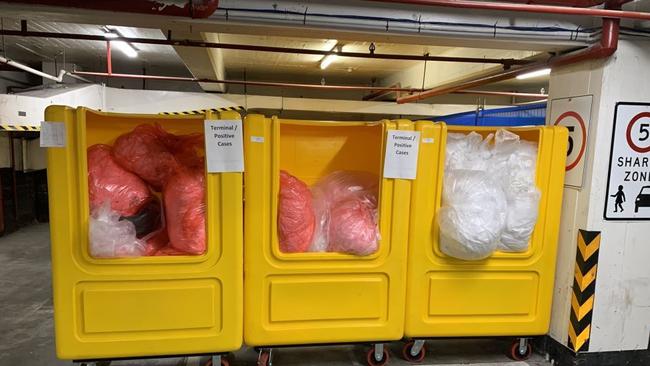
(609, 11)
(605, 48)
(245, 82)
(231, 46)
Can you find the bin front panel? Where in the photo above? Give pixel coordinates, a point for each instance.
(303, 298)
(145, 306)
(505, 294)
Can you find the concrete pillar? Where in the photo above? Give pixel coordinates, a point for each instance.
(620, 315)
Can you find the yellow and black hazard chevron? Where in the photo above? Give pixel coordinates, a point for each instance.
(202, 111)
(5, 127)
(584, 290)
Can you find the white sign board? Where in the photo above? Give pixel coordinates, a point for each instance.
(628, 182)
(575, 114)
(52, 134)
(224, 148)
(401, 160)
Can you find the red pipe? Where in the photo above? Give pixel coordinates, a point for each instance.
(245, 82)
(191, 8)
(609, 12)
(605, 48)
(109, 61)
(501, 93)
(572, 3)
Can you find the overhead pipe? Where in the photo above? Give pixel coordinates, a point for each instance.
(230, 46)
(613, 12)
(572, 3)
(58, 79)
(604, 49)
(245, 82)
(501, 93)
(191, 8)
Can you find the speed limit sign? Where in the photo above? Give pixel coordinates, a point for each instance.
(574, 113)
(628, 182)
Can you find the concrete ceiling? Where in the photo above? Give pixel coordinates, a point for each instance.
(88, 54)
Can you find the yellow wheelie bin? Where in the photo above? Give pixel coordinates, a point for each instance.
(144, 306)
(320, 297)
(506, 294)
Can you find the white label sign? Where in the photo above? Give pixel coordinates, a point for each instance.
(52, 134)
(401, 160)
(574, 113)
(628, 183)
(224, 149)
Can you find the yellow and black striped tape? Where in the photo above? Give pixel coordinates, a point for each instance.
(5, 127)
(203, 111)
(584, 288)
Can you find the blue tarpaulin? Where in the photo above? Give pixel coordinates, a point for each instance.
(525, 115)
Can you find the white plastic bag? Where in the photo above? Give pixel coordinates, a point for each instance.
(472, 216)
(469, 151)
(490, 200)
(520, 222)
(110, 237)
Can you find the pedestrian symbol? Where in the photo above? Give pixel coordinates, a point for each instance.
(620, 198)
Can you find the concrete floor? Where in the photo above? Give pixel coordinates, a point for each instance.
(27, 334)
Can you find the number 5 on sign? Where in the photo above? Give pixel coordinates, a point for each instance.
(574, 113)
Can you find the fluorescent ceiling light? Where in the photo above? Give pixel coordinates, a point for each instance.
(534, 74)
(330, 44)
(126, 48)
(327, 61)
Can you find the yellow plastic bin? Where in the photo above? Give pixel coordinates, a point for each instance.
(106, 308)
(320, 298)
(507, 294)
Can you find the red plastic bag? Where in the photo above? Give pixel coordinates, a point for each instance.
(165, 251)
(184, 199)
(353, 226)
(157, 242)
(145, 152)
(109, 182)
(295, 215)
(345, 205)
(189, 150)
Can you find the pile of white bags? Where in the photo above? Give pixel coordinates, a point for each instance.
(489, 199)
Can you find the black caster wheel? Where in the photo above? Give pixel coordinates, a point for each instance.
(371, 361)
(406, 353)
(516, 354)
(264, 358)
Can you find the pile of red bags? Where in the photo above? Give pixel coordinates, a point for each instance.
(126, 176)
(338, 214)
(295, 215)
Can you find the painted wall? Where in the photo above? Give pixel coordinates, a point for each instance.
(621, 317)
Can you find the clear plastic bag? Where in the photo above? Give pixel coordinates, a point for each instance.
(522, 216)
(490, 200)
(345, 206)
(111, 237)
(469, 152)
(472, 216)
(515, 165)
(109, 182)
(295, 215)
